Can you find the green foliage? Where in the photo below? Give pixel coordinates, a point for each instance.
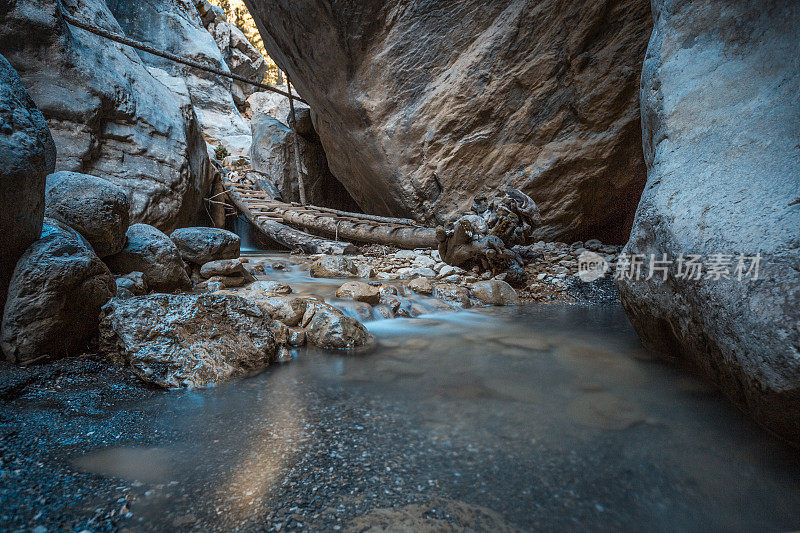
(221, 153)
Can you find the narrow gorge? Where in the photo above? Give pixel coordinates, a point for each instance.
(399, 266)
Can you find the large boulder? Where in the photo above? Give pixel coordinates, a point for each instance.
(92, 206)
(333, 266)
(420, 105)
(272, 104)
(241, 57)
(154, 255)
(272, 152)
(55, 296)
(494, 292)
(177, 28)
(188, 340)
(27, 155)
(201, 245)
(110, 115)
(720, 114)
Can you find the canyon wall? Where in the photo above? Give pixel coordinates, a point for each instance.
(421, 104)
(720, 117)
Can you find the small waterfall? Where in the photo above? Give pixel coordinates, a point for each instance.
(252, 240)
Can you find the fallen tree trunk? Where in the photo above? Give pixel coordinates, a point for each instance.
(286, 236)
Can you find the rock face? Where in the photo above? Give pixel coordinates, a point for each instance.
(154, 255)
(420, 105)
(719, 115)
(272, 104)
(272, 153)
(241, 57)
(55, 296)
(177, 341)
(176, 27)
(201, 245)
(110, 115)
(92, 206)
(27, 155)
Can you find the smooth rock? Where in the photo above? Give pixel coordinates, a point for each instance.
(421, 285)
(274, 287)
(153, 254)
(287, 309)
(54, 298)
(719, 116)
(215, 283)
(224, 267)
(494, 292)
(184, 340)
(94, 207)
(359, 291)
(27, 155)
(241, 57)
(333, 266)
(200, 245)
(453, 294)
(327, 327)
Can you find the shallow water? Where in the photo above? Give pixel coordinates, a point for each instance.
(552, 416)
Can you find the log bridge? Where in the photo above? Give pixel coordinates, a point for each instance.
(287, 224)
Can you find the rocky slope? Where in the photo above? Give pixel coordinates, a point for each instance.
(720, 114)
(419, 106)
(110, 114)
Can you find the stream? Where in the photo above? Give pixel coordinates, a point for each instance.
(540, 416)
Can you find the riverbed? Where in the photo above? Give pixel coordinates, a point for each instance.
(540, 416)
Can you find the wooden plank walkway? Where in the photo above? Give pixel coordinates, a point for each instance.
(262, 209)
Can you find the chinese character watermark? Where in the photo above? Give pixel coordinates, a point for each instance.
(635, 267)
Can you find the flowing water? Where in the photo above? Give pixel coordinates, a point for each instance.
(537, 416)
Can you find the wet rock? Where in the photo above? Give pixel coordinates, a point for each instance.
(225, 267)
(327, 327)
(184, 340)
(274, 287)
(27, 155)
(215, 283)
(359, 291)
(54, 298)
(154, 255)
(92, 206)
(201, 245)
(723, 167)
(494, 292)
(109, 114)
(451, 293)
(455, 81)
(421, 286)
(333, 266)
(287, 309)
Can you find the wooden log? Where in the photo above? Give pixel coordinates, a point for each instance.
(289, 237)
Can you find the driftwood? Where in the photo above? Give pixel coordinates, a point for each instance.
(484, 238)
(353, 227)
(284, 235)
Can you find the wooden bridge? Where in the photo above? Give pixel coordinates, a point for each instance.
(297, 226)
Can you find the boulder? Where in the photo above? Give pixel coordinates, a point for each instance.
(719, 115)
(287, 309)
(452, 294)
(201, 245)
(225, 267)
(274, 287)
(27, 155)
(133, 284)
(55, 296)
(494, 292)
(272, 152)
(92, 206)
(359, 291)
(241, 57)
(327, 327)
(177, 27)
(420, 105)
(333, 266)
(421, 285)
(154, 255)
(187, 340)
(109, 114)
